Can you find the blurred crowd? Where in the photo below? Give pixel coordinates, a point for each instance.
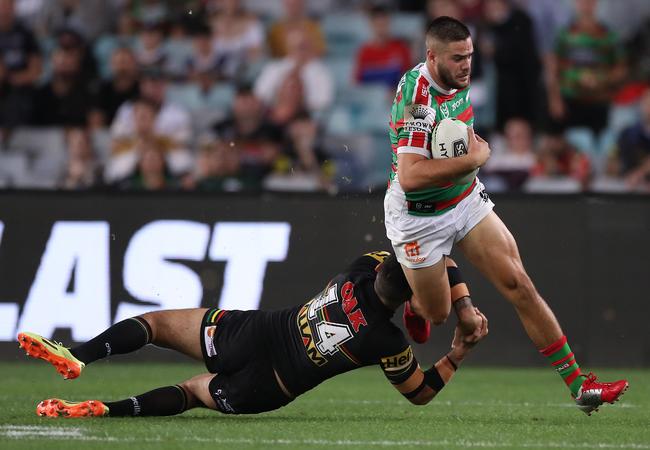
(252, 95)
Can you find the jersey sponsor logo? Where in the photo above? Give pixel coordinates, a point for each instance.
(324, 298)
(307, 338)
(444, 109)
(397, 362)
(355, 316)
(460, 148)
(208, 335)
(457, 103)
(412, 251)
(418, 118)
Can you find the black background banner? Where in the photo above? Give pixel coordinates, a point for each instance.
(588, 256)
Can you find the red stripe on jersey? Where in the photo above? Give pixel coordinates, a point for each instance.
(418, 139)
(466, 115)
(404, 142)
(422, 92)
(457, 199)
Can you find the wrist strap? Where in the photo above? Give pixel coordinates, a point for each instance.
(433, 379)
(451, 361)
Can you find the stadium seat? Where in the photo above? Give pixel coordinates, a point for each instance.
(368, 106)
(187, 95)
(342, 71)
(101, 144)
(14, 170)
(340, 121)
(609, 185)
(178, 53)
(621, 117)
(583, 139)
(552, 185)
(344, 33)
(408, 26)
(46, 149)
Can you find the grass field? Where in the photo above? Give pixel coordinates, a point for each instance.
(481, 408)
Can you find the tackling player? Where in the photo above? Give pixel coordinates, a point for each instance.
(426, 212)
(260, 361)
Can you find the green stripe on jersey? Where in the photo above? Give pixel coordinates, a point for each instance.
(457, 106)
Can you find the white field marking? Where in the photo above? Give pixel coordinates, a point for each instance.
(462, 403)
(351, 443)
(26, 431)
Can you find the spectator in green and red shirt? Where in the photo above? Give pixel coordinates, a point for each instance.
(584, 71)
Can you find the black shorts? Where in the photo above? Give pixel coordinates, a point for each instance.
(234, 348)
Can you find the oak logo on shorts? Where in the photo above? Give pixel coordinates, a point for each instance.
(208, 335)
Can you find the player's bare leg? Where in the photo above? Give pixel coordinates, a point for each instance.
(431, 294)
(491, 248)
(177, 329)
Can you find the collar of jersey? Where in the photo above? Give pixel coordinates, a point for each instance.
(424, 70)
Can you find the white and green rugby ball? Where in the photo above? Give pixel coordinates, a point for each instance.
(450, 139)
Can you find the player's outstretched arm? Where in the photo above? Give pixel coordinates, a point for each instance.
(422, 386)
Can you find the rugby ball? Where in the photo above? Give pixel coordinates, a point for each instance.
(450, 139)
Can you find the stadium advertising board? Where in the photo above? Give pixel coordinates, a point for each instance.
(71, 264)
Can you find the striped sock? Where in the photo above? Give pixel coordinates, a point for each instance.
(562, 359)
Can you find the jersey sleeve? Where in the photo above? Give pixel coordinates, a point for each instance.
(412, 117)
(397, 360)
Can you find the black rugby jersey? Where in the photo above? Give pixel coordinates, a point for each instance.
(344, 327)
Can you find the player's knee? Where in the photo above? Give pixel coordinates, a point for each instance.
(440, 316)
(518, 286)
(152, 320)
(198, 392)
(435, 310)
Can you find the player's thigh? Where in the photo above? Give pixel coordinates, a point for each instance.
(431, 293)
(178, 329)
(492, 249)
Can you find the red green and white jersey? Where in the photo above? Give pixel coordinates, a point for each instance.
(419, 104)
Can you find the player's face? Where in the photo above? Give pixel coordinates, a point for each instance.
(453, 63)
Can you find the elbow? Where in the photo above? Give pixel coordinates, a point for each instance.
(407, 185)
(439, 319)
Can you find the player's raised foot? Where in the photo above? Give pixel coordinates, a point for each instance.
(53, 352)
(593, 393)
(418, 328)
(55, 407)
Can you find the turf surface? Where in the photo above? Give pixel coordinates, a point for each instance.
(481, 408)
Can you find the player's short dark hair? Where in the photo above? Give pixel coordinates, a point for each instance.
(447, 29)
(391, 284)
